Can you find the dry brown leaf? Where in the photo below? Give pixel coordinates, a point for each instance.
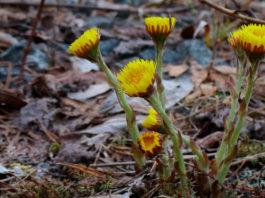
(208, 89)
(199, 74)
(92, 91)
(175, 70)
(224, 69)
(194, 95)
(211, 139)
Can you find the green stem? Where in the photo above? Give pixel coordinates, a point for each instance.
(160, 87)
(155, 103)
(165, 170)
(198, 152)
(240, 121)
(164, 158)
(240, 76)
(130, 117)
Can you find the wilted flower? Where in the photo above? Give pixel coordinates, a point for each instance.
(150, 143)
(137, 78)
(153, 121)
(86, 46)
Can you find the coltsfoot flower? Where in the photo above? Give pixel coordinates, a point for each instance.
(150, 143)
(153, 121)
(86, 46)
(137, 78)
(250, 38)
(159, 27)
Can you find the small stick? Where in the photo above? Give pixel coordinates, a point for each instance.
(232, 13)
(186, 157)
(31, 38)
(248, 158)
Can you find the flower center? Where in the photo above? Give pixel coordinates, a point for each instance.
(258, 33)
(148, 140)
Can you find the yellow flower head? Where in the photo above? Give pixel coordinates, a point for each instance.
(153, 121)
(159, 25)
(251, 38)
(137, 78)
(150, 143)
(86, 45)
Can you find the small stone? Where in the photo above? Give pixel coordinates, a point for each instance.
(170, 56)
(14, 54)
(101, 22)
(107, 46)
(194, 48)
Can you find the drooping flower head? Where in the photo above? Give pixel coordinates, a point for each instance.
(86, 46)
(153, 121)
(137, 78)
(159, 27)
(150, 143)
(250, 38)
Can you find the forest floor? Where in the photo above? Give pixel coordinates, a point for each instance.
(62, 131)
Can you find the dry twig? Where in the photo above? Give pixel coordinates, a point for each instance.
(31, 38)
(233, 13)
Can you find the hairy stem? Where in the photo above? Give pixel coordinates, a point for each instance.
(242, 112)
(130, 117)
(223, 147)
(160, 87)
(155, 103)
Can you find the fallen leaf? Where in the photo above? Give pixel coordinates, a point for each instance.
(131, 46)
(11, 98)
(199, 74)
(211, 140)
(115, 125)
(92, 91)
(208, 89)
(175, 70)
(83, 64)
(224, 69)
(73, 153)
(194, 95)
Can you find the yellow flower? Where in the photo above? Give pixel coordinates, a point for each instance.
(86, 45)
(159, 25)
(137, 78)
(150, 143)
(153, 121)
(251, 38)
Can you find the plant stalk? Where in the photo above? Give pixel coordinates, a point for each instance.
(155, 103)
(130, 117)
(160, 87)
(223, 147)
(239, 124)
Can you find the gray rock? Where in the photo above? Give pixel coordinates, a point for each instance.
(107, 46)
(36, 60)
(101, 22)
(15, 52)
(193, 48)
(170, 56)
